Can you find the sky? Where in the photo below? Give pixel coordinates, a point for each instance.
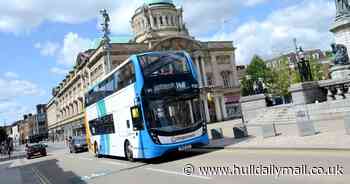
(39, 39)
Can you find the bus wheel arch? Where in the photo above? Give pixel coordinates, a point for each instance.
(129, 155)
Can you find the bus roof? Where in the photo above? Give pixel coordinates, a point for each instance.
(128, 60)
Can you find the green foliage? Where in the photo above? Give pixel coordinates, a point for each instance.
(281, 79)
(278, 79)
(317, 70)
(256, 69)
(3, 134)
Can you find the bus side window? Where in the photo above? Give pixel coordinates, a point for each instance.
(103, 125)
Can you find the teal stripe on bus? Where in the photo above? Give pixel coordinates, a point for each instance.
(101, 108)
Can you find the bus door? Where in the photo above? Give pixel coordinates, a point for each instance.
(124, 123)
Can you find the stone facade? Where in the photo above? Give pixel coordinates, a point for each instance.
(65, 111)
(157, 26)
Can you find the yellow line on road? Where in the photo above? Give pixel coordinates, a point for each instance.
(42, 178)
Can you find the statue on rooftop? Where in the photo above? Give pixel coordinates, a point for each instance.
(343, 8)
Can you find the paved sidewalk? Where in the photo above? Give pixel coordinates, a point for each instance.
(330, 137)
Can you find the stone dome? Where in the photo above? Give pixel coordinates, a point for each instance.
(152, 2)
(157, 19)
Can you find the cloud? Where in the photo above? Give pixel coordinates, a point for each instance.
(121, 16)
(13, 111)
(11, 90)
(254, 2)
(47, 48)
(59, 71)
(73, 44)
(272, 36)
(22, 16)
(11, 75)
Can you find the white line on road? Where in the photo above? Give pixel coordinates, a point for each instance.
(177, 173)
(114, 163)
(148, 168)
(83, 158)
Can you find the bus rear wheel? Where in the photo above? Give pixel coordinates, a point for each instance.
(128, 151)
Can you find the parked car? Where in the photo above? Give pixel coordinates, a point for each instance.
(78, 144)
(36, 150)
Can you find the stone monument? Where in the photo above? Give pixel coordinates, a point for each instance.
(340, 65)
(341, 25)
(341, 29)
(307, 91)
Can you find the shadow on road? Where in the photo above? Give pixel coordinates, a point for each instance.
(179, 155)
(13, 157)
(48, 172)
(226, 141)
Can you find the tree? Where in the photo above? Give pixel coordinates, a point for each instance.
(281, 79)
(316, 70)
(3, 134)
(257, 69)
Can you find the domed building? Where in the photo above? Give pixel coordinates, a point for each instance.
(157, 19)
(157, 25)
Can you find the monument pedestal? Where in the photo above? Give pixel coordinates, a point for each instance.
(341, 31)
(307, 93)
(340, 72)
(252, 106)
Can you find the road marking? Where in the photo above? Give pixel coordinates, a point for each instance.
(42, 178)
(83, 158)
(177, 173)
(114, 163)
(99, 174)
(95, 175)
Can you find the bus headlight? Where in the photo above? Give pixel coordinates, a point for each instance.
(155, 138)
(204, 126)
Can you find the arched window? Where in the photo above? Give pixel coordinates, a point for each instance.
(172, 20)
(155, 21)
(161, 20)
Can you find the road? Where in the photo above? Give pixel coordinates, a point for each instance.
(61, 167)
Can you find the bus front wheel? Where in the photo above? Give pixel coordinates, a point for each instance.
(128, 151)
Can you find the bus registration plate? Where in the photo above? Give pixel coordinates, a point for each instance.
(185, 147)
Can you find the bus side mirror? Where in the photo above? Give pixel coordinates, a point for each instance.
(136, 116)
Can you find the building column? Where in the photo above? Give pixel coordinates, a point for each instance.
(223, 107)
(204, 72)
(206, 109)
(151, 21)
(191, 110)
(216, 74)
(218, 108)
(199, 75)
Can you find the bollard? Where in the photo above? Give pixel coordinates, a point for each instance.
(347, 124)
(217, 133)
(305, 125)
(240, 132)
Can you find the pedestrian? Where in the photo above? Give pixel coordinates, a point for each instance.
(9, 151)
(66, 141)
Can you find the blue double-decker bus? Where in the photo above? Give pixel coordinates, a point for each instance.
(146, 107)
